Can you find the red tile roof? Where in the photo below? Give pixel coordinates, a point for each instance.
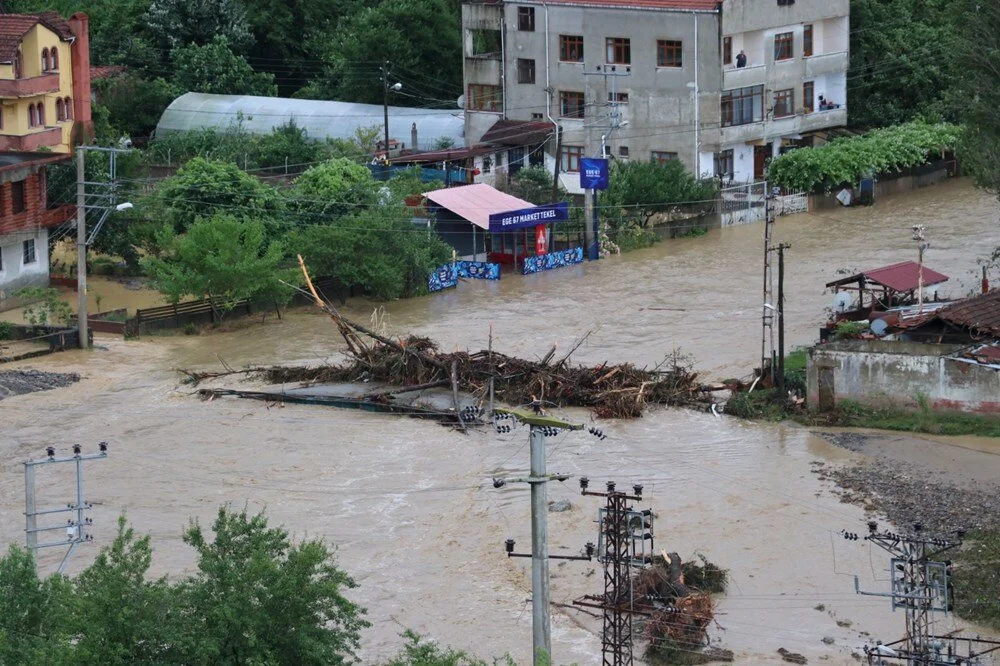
(517, 132)
(13, 28)
(665, 5)
(981, 314)
(106, 72)
(901, 277)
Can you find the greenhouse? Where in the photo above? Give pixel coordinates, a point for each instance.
(321, 119)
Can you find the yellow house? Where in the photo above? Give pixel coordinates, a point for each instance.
(44, 81)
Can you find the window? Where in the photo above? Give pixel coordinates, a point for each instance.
(570, 158)
(742, 106)
(32, 117)
(570, 104)
(661, 157)
(724, 164)
(727, 50)
(571, 48)
(784, 103)
(17, 65)
(526, 19)
(808, 94)
(28, 253)
(40, 108)
(483, 97)
(525, 70)
(536, 156)
(1, 119)
(619, 51)
(807, 41)
(487, 163)
(59, 111)
(17, 197)
(618, 97)
(1, 258)
(45, 60)
(786, 3)
(54, 59)
(68, 108)
(623, 152)
(536, 116)
(668, 53)
(783, 46)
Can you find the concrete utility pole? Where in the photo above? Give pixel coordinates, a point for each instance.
(75, 527)
(592, 235)
(81, 245)
(781, 317)
(541, 619)
(922, 244)
(768, 310)
(385, 103)
(920, 586)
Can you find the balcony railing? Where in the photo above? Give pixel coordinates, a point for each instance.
(827, 63)
(796, 124)
(743, 77)
(48, 137)
(36, 85)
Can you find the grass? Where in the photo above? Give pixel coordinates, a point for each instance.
(977, 579)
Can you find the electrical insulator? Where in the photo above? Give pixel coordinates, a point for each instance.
(637, 489)
(76, 449)
(50, 451)
(611, 486)
(509, 545)
(584, 482)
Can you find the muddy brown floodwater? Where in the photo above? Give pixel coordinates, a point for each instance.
(410, 504)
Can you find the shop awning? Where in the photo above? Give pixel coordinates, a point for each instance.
(476, 203)
(901, 277)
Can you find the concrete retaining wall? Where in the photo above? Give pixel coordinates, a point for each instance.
(877, 372)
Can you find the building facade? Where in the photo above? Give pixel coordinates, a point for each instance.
(44, 81)
(653, 79)
(25, 220)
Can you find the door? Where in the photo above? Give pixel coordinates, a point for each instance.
(760, 155)
(515, 160)
(827, 401)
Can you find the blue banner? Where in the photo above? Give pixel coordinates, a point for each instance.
(529, 217)
(447, 276)
(594, 173)
(552, 260)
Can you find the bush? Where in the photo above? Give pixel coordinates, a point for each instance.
(46, 307)
(845, 161)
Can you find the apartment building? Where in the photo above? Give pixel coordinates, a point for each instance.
(44, 81)
(651, 79)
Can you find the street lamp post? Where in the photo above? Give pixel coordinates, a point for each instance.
(385, 104)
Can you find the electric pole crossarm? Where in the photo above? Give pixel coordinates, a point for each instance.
(47, 461)
(887, 595)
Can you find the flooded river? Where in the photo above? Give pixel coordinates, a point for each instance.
(410, 504)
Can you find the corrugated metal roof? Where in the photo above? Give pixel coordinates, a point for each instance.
(476, 202)
(663, 5)
(517, 132)
(903, 277)
(980, 313)
(321, 119)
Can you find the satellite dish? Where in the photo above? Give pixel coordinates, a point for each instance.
(460, 101)
(879, 327)
(841, 301)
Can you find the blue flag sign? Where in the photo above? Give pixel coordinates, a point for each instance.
(529, 217)
(593, 173)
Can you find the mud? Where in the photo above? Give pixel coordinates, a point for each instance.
(19, 382)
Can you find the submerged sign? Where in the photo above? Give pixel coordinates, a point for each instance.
(593, 173)
(529, 217)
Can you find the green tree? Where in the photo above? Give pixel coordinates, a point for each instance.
(259, 599)
(533, 184)
(134, 103)
(642, 190)
(45, 306)
(121, 618)
(422, 38)
(380, 251)
(978, 81)
(903, 64)
(335, 188)
(203, 188)
(214, 68)
(175, 23)
(35, 614)
(224, 258)
(420, 652)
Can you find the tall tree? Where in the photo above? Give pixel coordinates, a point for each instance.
(176, 23)
(214, 68)
(35, 615)
(980, 88)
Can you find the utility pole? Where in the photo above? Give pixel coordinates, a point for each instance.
(922, 244)
(82, 239)
(625, 539)
(556, 170)
(540, 426)
(920, 586)
(75, 526)
(81, 246)
(385, 104)
(592, 237)
(781, 318)
(767, 316)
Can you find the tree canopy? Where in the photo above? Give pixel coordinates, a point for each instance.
(214, 68)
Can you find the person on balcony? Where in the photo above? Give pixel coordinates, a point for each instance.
(741, 59)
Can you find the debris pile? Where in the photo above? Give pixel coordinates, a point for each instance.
(680, 609)
(611, 391)
(19, 382)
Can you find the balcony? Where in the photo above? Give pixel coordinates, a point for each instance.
(775, 127)
(36, 85)
(828, 63)
(743, 77)
(55, 216)
(48, 137)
